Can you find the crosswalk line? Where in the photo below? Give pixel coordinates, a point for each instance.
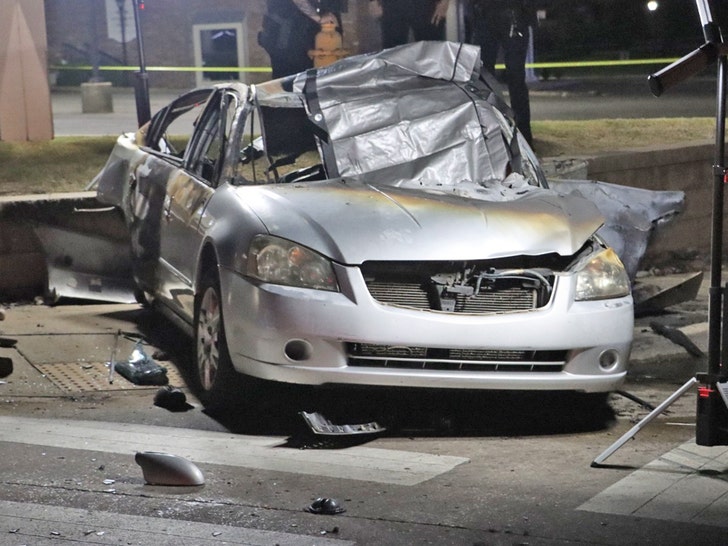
(225, 448)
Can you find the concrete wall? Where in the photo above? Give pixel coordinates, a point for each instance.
(683, 244)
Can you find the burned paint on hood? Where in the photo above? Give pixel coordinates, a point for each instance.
(352, 222)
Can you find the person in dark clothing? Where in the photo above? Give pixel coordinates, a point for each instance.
(289, 32)
(426, 19)
(506, 25)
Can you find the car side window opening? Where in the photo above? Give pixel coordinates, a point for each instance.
(211, 135)
(171, 129)
(282, 150)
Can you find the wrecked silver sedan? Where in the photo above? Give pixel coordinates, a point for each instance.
(377, 222)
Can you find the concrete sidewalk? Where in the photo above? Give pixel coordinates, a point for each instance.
(69, 120)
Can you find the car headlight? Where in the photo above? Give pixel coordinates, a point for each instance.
(279, 261)
(602, 276)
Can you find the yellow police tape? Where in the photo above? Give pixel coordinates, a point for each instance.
(166, 68)
(561, 64)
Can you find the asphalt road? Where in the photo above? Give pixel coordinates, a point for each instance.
(620, 97)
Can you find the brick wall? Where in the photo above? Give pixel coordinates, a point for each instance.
(167, 32)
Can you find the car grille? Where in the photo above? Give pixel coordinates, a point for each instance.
(485, 302)
(486, 287)
(471, 360)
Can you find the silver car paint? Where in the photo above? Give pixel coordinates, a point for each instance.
(380, 214)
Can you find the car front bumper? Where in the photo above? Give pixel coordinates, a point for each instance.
(304, 336)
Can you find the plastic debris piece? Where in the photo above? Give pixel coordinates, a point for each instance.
(326, 506)
(321, 425)
(166, 469)
(140, 369)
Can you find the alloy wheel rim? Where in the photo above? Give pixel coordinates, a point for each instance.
(208, 334)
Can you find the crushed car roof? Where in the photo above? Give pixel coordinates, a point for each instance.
(414, 115)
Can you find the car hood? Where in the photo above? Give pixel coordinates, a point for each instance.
(353, 222)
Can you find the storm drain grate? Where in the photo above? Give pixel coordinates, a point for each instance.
(94, 376)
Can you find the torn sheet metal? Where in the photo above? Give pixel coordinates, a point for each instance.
(323, 426)
(326, 506)
(86, 266)
(678, 337)
(652, 295)
(632, 214)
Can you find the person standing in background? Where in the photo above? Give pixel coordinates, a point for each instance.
(289, 32)
(425, 18)
(505, 25)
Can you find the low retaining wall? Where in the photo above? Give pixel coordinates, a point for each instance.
(682, 244)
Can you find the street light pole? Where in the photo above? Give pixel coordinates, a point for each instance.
(141, 84)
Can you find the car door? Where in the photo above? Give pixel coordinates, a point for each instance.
(188, 192)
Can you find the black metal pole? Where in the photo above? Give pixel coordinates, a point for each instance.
(712, 414)
(716, 260)
(94, 49)
(120, 4)
(711, 427)
(141, 85)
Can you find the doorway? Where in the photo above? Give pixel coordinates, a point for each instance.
(218, 46)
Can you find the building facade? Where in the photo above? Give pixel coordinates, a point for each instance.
(180, 39)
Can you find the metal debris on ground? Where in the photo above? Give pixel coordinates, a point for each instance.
(678, 337)
(654, 294)
(326, 506)
(321, 425)
(171, 398)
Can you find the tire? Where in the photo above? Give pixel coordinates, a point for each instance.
(217, 380)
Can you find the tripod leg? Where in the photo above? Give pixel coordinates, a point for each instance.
(635, 429)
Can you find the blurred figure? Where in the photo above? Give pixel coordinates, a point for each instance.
(289, 32)
(426, 19)
(505, 25)
(329, 43)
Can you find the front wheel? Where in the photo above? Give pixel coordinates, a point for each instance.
(216, 376)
